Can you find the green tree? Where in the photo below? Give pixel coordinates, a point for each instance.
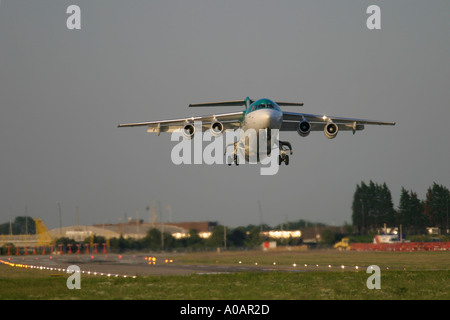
(122, 244)
(193, 239)
(372, 207)
(237, 237)
(358, 212)
(65, 242)
(436, 205)
(411, 212)
(403, 215)
(253, 238)
(21, 225)
(169, 241)
(153, 239)
(216, 240)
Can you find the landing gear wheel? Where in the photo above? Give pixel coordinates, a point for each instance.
(283, 158)
(236, 160)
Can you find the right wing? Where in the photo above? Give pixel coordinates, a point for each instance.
(229, 120)
(318, 122)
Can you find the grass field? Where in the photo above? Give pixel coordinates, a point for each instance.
(418, 275)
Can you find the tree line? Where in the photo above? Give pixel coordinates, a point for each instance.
(372, 208)
(20, 225)
(154, 240)
(221, 237)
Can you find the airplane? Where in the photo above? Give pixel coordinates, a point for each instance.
(262, 115)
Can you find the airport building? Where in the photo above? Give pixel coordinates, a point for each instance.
(80, 233)
(138, 229)
(135, 229)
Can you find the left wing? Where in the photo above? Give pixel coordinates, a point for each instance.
(318, 122)
(229, 120)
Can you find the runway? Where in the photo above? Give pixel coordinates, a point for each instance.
(130, 265)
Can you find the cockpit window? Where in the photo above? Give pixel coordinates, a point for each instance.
(263, 104)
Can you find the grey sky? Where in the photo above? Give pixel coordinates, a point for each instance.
(63, 92)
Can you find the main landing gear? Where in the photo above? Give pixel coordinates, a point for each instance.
(284, 147)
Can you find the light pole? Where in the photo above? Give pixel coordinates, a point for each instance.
(448, 231)
(362, 211)
(225, 237)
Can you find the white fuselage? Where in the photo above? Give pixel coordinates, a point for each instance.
(254, 143)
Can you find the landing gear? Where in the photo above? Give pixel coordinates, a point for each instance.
(284, 147)
(235, 156)
(283, 158)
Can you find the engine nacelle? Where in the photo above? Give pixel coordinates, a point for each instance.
(188, 131)
(331, 129)
(216, 128)
(304, 128)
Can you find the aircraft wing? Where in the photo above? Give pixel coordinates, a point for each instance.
(318, 122)
(229, 120)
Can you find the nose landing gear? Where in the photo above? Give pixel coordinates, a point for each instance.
(235, 156)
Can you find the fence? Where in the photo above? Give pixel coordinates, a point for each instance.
(55, 249)
(402, 246)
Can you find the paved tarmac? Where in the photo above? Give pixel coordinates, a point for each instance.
(130, 265)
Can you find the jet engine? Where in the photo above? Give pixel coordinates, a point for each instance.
(188, 131)
(216, 128)
(304, 128)
(331, 130)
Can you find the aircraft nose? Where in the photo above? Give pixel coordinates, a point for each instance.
(272, 118)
